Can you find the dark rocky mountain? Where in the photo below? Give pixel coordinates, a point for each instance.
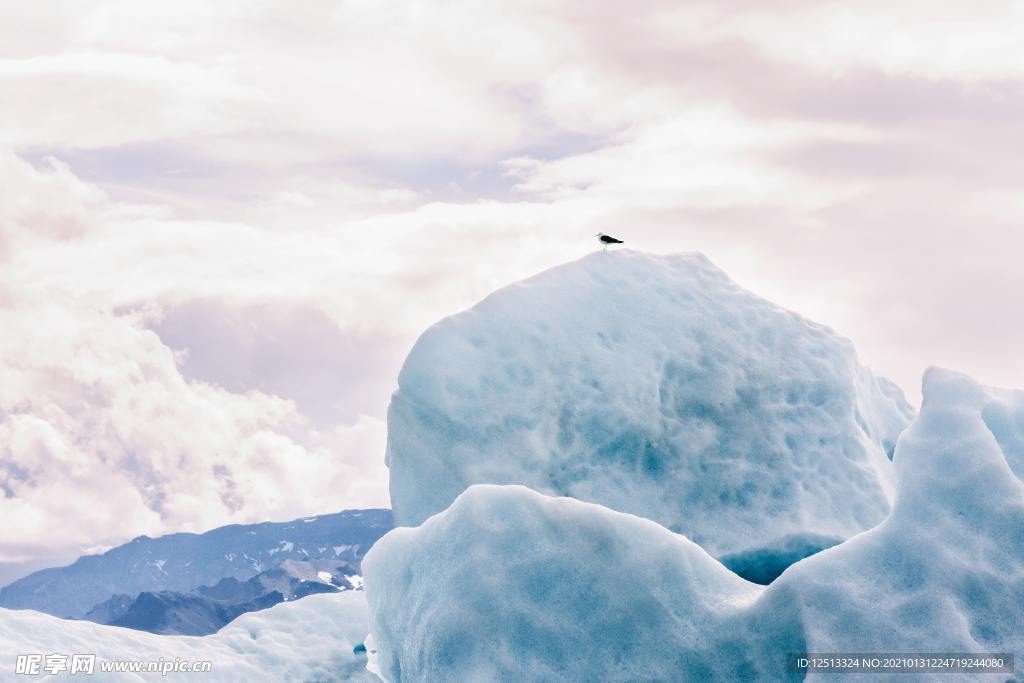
(208, 608)
(181, 563)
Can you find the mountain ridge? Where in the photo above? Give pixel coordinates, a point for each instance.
(184, 561)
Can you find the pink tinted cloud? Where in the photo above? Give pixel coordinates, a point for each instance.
(305, 212)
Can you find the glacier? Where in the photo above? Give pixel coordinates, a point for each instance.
(511, 584)
(633, 381)
(313, 640)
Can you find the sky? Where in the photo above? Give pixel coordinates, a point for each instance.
(223, 225)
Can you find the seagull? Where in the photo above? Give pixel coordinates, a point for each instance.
(605, 240)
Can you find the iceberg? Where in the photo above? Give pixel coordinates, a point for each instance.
(511, 584)
(652, 385)
(945, 571)
(316, 639)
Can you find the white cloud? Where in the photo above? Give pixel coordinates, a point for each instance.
(936, 40)
(51, 203)
(98, 100)
(102, 439)
(257, 209)
(266, 84)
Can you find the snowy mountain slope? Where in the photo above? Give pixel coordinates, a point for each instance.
(509, 584)
(182, 562)
(309, 641)
(631, 380)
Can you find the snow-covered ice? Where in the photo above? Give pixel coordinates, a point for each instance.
(308, 640)
(510, 584)
(681, 434)
(946, 569)
(657, 386)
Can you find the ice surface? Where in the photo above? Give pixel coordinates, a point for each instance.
(1004, 416)
(512, 585)
(312, 639)
(946, 569)
(509, 584)
(652, 385)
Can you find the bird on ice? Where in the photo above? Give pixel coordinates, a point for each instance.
(605, 240)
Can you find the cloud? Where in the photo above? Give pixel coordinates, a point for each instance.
(291, 350)
(95, 100)
(164, 374)
(264, 84)
(222, 224)
(102, 438)
(50, 203)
